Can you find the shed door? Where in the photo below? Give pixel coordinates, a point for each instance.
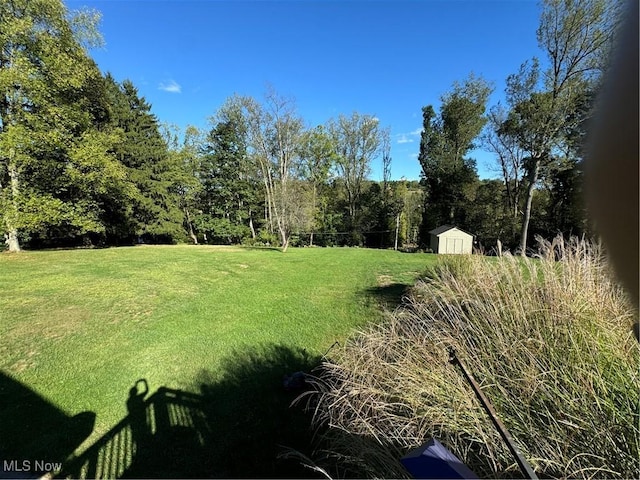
(457, 245)
(453, 245)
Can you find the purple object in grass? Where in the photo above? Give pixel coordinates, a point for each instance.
(433, 460)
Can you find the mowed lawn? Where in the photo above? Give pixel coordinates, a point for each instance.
(80, 327)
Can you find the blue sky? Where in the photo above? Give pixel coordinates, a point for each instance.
(385, 58)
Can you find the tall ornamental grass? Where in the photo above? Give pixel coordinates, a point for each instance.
(548, 338)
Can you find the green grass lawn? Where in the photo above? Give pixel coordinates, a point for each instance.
(80, 327)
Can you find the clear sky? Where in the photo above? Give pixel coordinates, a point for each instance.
(385, 58)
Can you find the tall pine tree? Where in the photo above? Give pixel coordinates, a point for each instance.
(155, 214)
(230, 187)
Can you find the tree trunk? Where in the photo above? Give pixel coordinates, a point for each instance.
(268, 199)
(11, 237)
(533, 178)
(507, 186)
(397, 228)
(313, 214)
(253, 230)
(191, 232)
(266, 216)
(284, 239)
(282, 227)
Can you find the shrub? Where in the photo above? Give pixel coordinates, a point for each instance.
(268, 239)
(549, 339)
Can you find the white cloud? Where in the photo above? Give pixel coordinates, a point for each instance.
(171, 86)
(409, 137)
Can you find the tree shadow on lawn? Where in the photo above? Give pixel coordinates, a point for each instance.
(236, 426)
(258, 247)
(34, 432)
(389, 295)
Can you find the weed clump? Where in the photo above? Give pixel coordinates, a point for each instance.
(548, 338)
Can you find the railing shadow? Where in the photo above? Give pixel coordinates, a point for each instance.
(234, 427)
(164, 436)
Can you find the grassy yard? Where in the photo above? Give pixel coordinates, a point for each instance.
(216, 327)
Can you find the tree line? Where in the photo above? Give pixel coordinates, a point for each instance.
(537, 137)
(83, 160)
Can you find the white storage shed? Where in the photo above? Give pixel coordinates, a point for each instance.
(448, 239)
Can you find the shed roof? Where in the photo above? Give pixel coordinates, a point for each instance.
(445, 228)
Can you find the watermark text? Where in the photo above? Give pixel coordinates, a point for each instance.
(30, 466)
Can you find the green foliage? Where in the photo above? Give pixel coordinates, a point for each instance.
(267, 238)
(549, 111)
(488, 219)
(156, 175)
(449, 179)
(221, 230)
(230, 188)
(48, 109)
(358, 139)
(82, 157)
(317, 155)
(317, 158)
(462, 115)
(567, 209)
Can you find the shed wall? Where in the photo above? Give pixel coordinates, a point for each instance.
(453, 241)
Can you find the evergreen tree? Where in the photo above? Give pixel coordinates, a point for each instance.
(154, 214)
(230, 188)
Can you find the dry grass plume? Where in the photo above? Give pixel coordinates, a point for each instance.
(549, 339)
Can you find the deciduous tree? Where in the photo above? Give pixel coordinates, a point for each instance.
(510, 160)
(186, 157)
(576, 37)
(51, 164)
(448, 177)
(274, 130)
(358, 140)
(317, 158)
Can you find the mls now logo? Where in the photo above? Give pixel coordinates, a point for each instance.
(28, 466)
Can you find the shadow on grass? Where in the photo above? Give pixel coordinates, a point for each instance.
(263, 248)
(234, 427)
(34, 433)
(389, 296)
